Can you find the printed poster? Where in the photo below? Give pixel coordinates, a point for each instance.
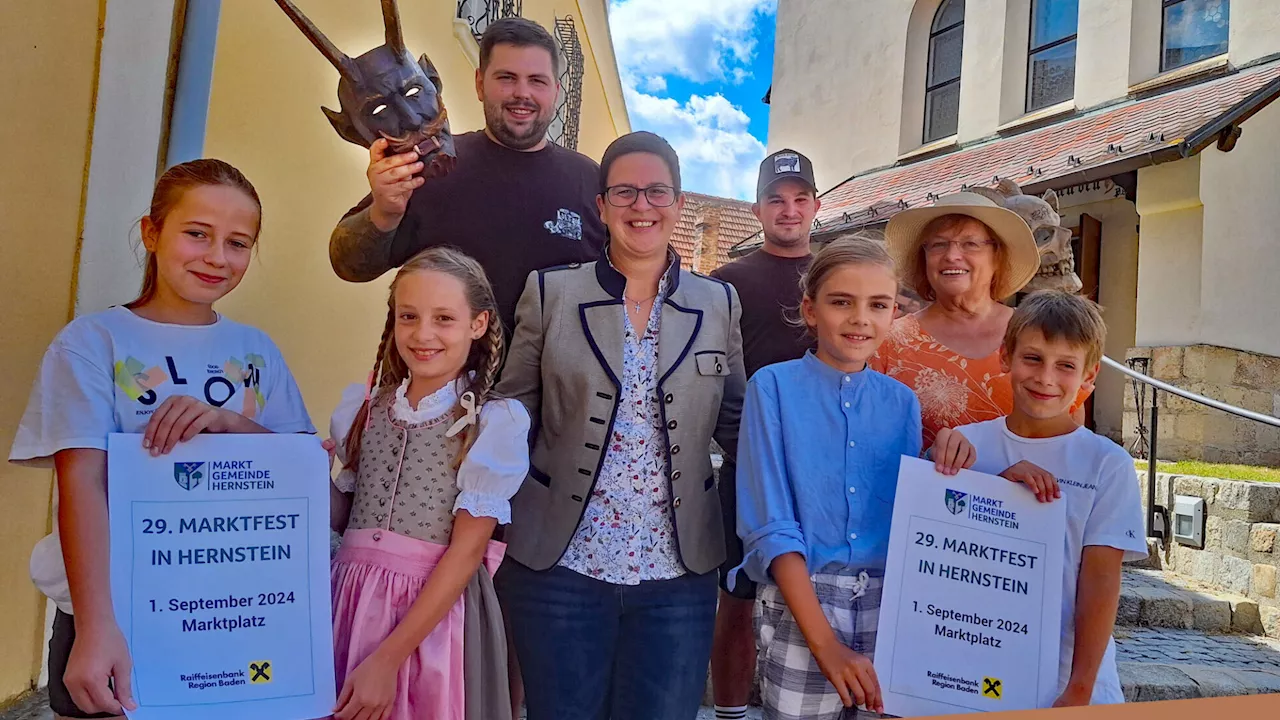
(220, 576)
(970, 619)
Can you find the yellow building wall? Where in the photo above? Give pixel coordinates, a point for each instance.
(1169, 254)
(1209, 230)
(838, 74)
(604, 115)
(1241, 230)
(264, 117)
(53, 45)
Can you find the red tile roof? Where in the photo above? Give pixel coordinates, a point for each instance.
(1059, 151)
(737, 223)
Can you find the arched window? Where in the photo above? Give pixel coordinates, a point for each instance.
(942, 78)
(1193, 30)
(1051, 59)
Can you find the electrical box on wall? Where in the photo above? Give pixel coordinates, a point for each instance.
(1188, 520)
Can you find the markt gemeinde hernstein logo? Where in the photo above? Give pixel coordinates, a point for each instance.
(188, 474)
(956, 501)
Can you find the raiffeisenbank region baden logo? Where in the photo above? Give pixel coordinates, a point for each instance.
(188, 474)
(955, 501)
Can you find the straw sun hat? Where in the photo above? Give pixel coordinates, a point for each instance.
(1020, 257)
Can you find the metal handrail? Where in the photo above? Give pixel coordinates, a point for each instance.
(1154, 432)
(1173, 389)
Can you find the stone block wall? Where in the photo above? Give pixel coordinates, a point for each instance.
(1190, 431)
(1241, 551)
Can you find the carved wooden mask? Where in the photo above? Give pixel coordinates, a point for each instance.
(386, 93)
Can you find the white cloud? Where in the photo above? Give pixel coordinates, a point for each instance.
(654, 84)
(718, 156)
(703, 41)
(700, 40)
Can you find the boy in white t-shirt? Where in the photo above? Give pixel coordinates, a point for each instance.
(1053, 344)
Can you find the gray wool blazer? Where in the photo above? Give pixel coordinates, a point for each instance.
(565, 365)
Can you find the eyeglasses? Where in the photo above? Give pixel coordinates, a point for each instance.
(968, 247)
(626, 195)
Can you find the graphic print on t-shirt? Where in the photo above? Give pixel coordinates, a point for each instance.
(134, 381)
(220, 382)
(567, 224)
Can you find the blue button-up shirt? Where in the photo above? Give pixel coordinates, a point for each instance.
(818, 458)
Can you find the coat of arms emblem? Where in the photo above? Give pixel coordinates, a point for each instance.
(189, 474)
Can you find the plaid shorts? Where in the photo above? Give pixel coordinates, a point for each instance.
(791, 684)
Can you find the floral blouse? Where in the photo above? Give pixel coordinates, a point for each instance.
(953, 390)
(626, 535)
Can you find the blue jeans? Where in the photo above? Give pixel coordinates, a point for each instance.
(591, 650)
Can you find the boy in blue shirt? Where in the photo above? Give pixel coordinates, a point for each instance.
(1053, 344)
(820, 445)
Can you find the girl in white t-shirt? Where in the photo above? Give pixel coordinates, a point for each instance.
(166, 366)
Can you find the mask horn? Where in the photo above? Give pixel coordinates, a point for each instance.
(317, 38)
(391, 21)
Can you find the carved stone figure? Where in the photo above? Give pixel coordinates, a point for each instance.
(1057, 262)
(385, 93)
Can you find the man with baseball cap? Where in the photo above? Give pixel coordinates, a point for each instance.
(768, 284)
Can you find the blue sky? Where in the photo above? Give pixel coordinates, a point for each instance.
(694, 71)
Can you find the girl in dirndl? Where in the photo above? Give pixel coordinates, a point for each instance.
(430, 460)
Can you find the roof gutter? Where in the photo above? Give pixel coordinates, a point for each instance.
(1223, 129)
(1162, 155)
(1227, 124)
(746, 245)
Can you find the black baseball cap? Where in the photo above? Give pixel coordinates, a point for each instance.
(785, 163)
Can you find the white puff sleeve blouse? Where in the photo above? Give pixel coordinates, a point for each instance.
(494, 467)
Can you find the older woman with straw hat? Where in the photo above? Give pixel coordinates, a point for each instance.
(965, 255)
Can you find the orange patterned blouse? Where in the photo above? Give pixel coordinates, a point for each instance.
(953, 390)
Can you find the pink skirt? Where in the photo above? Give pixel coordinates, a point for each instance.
(377, 575)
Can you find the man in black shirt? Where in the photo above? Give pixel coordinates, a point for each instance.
(768, 284)
(515, 202)
(768, 279)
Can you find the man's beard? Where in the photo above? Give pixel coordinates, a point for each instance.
(788, 242)
(493, 120)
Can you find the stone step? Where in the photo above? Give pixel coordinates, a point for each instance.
(1151, 598)
(1147, 682)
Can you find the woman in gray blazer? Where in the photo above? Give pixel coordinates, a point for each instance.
(629, 367)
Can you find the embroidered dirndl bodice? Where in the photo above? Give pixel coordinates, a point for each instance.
(407, 483)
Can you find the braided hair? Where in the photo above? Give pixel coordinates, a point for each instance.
(483, 361)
